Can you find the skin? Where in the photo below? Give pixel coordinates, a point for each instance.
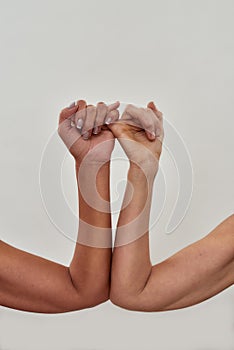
(197, 272)
(188, 277)
(31, 283)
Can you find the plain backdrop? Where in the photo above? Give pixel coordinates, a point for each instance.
(178, 53)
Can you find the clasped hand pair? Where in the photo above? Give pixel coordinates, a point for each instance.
(89, 131)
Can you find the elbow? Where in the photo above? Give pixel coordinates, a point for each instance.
(123, 295)
(87, 294)
(93, 297)
(82, 299)
(124, 300)
(97, 298)
(119, 294)
(137, 301)
(119, 301)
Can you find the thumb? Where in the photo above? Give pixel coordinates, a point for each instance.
(116, 129)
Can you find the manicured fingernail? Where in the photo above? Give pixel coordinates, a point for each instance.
(95, 130)
(108, 121)
(86, 135)
(72, 105)
(79, 123)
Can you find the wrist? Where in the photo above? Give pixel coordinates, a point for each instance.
(91, 164)
(143, 170)
(140, 180)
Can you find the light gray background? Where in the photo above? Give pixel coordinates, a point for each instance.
(178, 53)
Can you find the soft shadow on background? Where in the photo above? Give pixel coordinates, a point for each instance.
(178, 53)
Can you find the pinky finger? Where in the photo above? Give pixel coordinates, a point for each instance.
(112, 116)
(113, 106)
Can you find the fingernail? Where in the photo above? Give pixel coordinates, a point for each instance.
(86, 135)
(153, 134)
(79, 123)
(108, 121)
(95, 130)
(72, 105)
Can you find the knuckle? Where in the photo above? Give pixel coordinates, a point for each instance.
(91, 109)
(101, 105)
(80, 114)
(129, 107)
(114, 114)
(160, 114)
(101, 109)
(148, 110)
(148, 125)
(81, 102)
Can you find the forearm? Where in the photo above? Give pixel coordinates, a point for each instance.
(190, 276)
(31, 283)
(90, 266)
(131, 264)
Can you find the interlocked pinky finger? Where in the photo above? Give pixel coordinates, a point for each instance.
(112, 116)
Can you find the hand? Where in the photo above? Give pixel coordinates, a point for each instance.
(83, 130)
(140, 133)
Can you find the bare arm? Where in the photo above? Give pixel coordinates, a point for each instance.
(190, 276)
(31, 283)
